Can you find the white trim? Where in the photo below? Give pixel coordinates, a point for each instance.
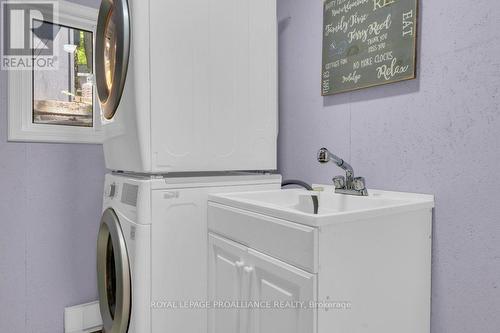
(82, 318)
(19, 93)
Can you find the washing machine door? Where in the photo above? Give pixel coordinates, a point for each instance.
(113, 275)
(112, 53)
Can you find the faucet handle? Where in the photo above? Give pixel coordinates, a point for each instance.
(339, 182)
(359, 183)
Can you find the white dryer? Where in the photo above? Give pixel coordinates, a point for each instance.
(188, 85)
(152, 249)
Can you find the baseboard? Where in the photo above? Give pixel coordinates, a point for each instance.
(84, 318)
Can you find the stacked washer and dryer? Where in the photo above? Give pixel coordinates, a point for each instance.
(188, 93)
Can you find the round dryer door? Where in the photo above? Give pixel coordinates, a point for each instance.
(112, 53)
(113, 275)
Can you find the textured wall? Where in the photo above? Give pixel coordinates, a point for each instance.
(50, 201)
(438, 134)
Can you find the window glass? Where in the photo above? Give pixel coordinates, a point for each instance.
(65, 96)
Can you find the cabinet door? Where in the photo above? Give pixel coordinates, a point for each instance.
(225, 267)
(283, 287)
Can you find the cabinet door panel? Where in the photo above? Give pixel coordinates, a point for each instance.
(283, 287)
(178, 259)
(226, 261)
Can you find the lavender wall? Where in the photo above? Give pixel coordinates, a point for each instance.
(50, 201)
(438, 134)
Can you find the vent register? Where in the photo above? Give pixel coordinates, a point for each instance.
(129, 194)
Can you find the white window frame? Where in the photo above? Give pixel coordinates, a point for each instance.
(20, 92)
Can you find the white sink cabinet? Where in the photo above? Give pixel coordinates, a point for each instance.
(367, 266)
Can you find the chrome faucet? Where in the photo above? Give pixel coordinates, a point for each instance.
(344, 185)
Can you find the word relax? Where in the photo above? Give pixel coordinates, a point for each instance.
(388, 72)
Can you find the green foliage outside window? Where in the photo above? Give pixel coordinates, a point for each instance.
(81, 55)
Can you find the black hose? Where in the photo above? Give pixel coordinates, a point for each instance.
(307, 187)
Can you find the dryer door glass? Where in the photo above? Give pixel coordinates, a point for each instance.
(112, 53)
(113, 275)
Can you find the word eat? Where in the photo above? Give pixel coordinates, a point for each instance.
(408, 23)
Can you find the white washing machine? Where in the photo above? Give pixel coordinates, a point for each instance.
(152, 249)
(188, 85)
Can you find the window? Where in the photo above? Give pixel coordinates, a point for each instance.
(57, 104)
(65, 96)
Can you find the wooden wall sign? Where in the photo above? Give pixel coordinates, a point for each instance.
(368, 43)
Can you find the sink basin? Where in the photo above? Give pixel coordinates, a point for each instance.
(297, 205)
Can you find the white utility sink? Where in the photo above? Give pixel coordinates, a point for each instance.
(372, 252)
(296, 205)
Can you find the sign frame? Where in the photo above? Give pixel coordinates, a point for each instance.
(413, 51)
